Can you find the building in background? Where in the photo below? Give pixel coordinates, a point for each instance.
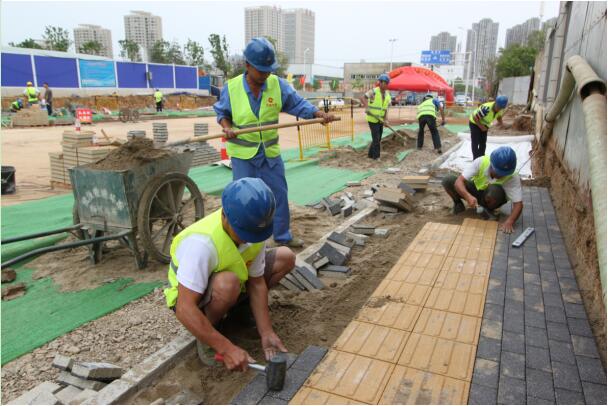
(299, 35)
(482, 39)
(519, 33)
(361, 76)
(265, 21)
(145, 29)
(443, 42)
(87, 32)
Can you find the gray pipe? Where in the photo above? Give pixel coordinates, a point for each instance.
(592, 91)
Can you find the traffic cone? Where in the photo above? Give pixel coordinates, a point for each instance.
(223, 153)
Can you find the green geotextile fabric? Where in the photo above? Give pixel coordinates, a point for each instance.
(453, 128)
(44, 313)
(400, 156)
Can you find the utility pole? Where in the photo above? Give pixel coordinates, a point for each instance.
(392, 41)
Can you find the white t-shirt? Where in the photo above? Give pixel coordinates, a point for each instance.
(512, 187)
(197, 257)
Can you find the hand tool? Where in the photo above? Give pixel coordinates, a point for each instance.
(398, 133)
(275, 370)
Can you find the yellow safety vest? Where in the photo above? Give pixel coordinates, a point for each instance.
(377, 106)
(482, 181)
(229, 257)
(158, 96)
(489, 118)
(426, 108)
(32, 97)
(245, 146)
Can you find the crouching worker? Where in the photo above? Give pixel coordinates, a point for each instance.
(489, 182)
(221, 261)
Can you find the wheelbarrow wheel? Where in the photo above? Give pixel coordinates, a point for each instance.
(123, 115)
(169, 204)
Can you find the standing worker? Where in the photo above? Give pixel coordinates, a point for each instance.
(31, 93)
(221, 261)
(481, 120)
(48, 97)
(427, 115)
(158, 97)
(253, 99)
(376, 102)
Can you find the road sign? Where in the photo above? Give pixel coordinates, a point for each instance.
(436, 57)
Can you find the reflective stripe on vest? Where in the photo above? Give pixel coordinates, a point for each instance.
(489, 118)
(158, 96)
(377, 106)
(426, 108)
(31, 94)
(229, 257)
(245, 146)
(482, 181)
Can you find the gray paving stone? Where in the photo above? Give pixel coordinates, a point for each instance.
(513, 365)
(309, 358)
(584, 346)
(515, 293)
(511, 391)
(575, 310)
(253, 393)
(538, 358)
(558, 332)
(531, 278)
(568, 397)
(42, 394)
(594, 394)
(96, 370)
(496, 292)
(536, 337)
(269, 400)
(579, 327)
(534, 303)
(489, 348)
(538, 401)
(535, 318)
(572, 295)
(62, 362)
(486, 373)
(564, 273)
(482, 395)
(532, 268)
(68, 379)
(555, 314)
(565, 376)
(513, 306)
(499, 273)
(294, 379)
(539, 384)
(591, 370)
(513, 342)
(491, 329)
(515, 279)
(562, 352)
(533, 290)
(493, 311)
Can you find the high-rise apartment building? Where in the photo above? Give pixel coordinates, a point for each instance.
(264, 21)
(443, 42)
(481, 42)
(87, 32)
(519, 33)
(145, 29)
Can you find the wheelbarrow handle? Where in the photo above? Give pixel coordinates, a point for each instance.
(250, 130)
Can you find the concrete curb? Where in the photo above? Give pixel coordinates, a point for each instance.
(435, 164)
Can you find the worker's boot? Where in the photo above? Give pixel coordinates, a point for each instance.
(295, 242)
(438, 151)
(458, 207)
(205, 353)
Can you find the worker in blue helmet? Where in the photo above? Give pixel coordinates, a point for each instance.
(480, 121)
(221, 264)
(376, 102)
(489, 182)
(253, 99)
(427, 116)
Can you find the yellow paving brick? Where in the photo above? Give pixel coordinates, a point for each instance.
(444, 357)
(409, 386)
(461, 282)
(372, 341)
(309, 396)
(402, 291)
(413, 274)
(456, 301)
(449, 326)
(352, 376)
(467, 266)
(388, 313)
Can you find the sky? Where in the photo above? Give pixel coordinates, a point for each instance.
(346, 31)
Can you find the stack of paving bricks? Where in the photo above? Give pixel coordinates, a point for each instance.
(76, 382)
(160, 134)
(414, 341)
(536, 345)
(204, 153)
(31, 116)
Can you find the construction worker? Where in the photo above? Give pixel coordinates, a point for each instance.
(481, 120)
(31, 93)
(48, 98)
(17, 105)
(158, 98)
(222, 260)
(253, 99)
(376, 102)
(489, 182)
(427, 116)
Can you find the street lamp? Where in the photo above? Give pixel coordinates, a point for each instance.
(392, 41)
(307, 50)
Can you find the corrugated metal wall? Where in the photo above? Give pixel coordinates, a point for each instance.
(515, 88)
(580, 30)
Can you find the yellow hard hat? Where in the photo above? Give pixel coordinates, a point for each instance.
(29, 83)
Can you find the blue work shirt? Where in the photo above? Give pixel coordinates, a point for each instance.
(292, 102)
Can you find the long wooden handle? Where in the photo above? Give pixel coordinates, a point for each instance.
(250, 130)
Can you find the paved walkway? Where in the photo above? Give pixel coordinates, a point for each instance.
(536, 346)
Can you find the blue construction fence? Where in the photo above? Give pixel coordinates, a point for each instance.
(66, 72)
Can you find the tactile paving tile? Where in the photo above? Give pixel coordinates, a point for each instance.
(353, 376)
(414, 387)
(372, 341)
(470, 302)
(309, 396)
(384, 312)
(449, 326)
(467, 266)
(409, 293)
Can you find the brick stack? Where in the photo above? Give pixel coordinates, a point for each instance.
(160, 134)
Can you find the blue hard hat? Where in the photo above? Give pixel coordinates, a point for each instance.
(503, 161)
(259, 53)
(502, 101)
(428, 96)
(384, 78)
(249, 207)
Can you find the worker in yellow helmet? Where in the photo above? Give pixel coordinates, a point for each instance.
(158, 98)
(31, 93)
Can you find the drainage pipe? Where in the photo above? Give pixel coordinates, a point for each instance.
(592, 91)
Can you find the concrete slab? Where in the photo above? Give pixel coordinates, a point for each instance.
(42, 394)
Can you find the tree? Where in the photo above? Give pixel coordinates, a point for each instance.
(282, 59)
(536, 40)
(57, 38)
(515, 61)
(237, 65)
(194, 53)
(219, 51)
(91, 48)
(158, 53)
(334, 85)
(175, 55)
(491, 81)
(316, 84)
(129, 49)
(26, 43)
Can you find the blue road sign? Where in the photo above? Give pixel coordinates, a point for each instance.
(436, 57)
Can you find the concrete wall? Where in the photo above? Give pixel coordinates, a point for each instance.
(515, 88)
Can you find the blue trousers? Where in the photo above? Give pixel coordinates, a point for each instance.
(272, 172)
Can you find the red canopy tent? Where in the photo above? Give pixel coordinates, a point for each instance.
(419, 79)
